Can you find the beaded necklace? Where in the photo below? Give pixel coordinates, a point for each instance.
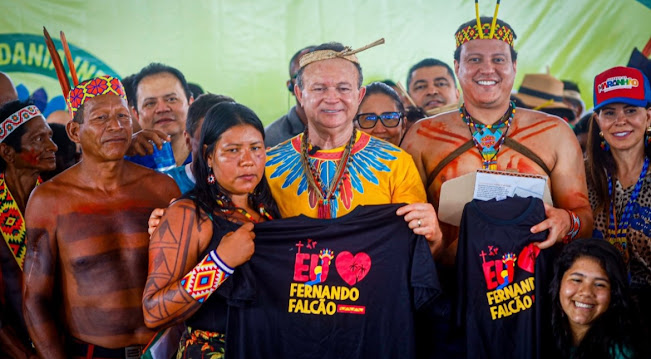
(227, 207)
(313, 178)
(488, 139)
(617, 230)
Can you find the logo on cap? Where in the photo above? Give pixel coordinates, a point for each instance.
(618, 83)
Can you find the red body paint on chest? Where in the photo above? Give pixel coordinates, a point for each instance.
(439, 133)
(518, 130)
(96, 208)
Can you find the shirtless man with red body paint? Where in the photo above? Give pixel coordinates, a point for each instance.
(87, 237)
(486, 70)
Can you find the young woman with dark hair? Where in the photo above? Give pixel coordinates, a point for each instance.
(208, 232)
(592, 312)
(618, 175)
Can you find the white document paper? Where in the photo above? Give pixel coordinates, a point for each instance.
(499, 185)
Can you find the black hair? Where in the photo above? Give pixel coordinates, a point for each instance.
(430, 62)
(598, 164)
(79, 115)
(617, 328)
(384, 89)
(200, 107)
(219, 119)
(296, 56)
(415, 113)
(127, 83)
(486, 20)
(571, 85)
(334, 46)
(195, 89)
(66, 154)
(157, 68)
(14, 138)
(389, 83)
(583, 124)
(566, 114)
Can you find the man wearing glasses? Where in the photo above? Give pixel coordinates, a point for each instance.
(344, 167)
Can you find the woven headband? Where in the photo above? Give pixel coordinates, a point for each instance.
(17, 119)
(346, 54)
(470, 33)
(98, 86)
(488, 31)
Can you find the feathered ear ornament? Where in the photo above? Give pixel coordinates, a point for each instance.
(58, 64)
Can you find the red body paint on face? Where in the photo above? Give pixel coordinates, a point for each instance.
(30, 157)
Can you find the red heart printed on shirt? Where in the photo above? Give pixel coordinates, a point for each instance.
(353, 269)
(527, 258)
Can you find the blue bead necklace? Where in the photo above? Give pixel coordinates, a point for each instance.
(488, 139)
(617, 230)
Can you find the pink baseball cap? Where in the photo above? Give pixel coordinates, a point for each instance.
(621, 85)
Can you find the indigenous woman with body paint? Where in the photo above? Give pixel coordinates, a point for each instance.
(618, 174)
(592, 312)
(203, 237)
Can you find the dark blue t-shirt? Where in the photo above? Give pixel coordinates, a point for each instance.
(338, 288)
(503, 280)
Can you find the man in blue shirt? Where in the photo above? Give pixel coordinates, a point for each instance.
(196, 113)
(162, 99)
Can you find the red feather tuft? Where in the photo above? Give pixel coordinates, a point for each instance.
(58, 65)
(71, 65)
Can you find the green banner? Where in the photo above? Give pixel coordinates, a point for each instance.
(28, 53)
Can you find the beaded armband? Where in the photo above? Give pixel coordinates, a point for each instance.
(574, 229)
(206, 277)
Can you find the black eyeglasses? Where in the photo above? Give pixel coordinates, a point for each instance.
(369, 120)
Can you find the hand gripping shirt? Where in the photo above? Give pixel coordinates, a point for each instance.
(503, 280)
(330, 288)
(378, 173)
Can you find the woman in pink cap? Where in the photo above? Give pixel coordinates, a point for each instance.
(618, 175)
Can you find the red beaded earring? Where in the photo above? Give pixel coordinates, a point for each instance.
(211, 177)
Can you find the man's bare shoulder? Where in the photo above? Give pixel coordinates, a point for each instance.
(526, 118)
(52, 195)
(439, 129)
(149, 175)
(156, 182)
(56, 185)
(445, 117)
